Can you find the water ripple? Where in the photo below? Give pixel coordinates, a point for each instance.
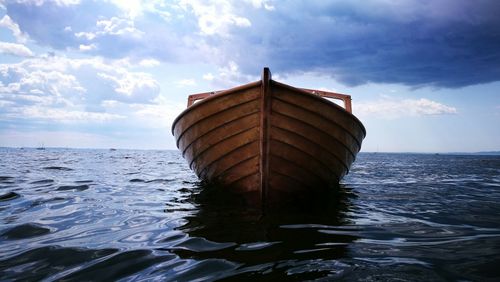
(9, 196)
(142, 215)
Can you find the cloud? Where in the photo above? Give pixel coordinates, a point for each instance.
(56, 2)
(208, 76)
(146, 34)
(60, 115)
(86, 35)
(15, 49)
(266, 4)
(215, 17)
(440, 43)
(149, 63)
(158, 115)
(89, 47)
(118, 26)
(392, 108)
(229, 76)
(20, 36)
(72, 89)
(186, 82)
(136, 85)
(137, 8)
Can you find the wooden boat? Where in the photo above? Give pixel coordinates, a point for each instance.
(269, 141)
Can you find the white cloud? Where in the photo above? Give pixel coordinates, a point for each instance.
(57, 2)
(118, 26)
(214, 17)
(59, 89)
(20, 80)
(4, 103)
(20, 36)
(113, 26)
(65, 115)
(208, 76)
(391, 107)
(15, 49)
(230, 76)
(266, 4)
(135, 8)
(89, 47)
(149, 63)
(186, 82)
(132, 84)
(86, 35)
(159, 115)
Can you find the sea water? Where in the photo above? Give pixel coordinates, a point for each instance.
(73, 214)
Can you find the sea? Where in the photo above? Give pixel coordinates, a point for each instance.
(136, 215)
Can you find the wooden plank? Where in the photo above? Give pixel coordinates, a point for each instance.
(283, 165)
(327, 109)
(231, 159)
(301, 143)
(216, 135)
(319, 138)
(249, 188)
(221, 149)
(222, 118)
(220, 94)
(304, 159)
(315, 119)
(240, 170)
(213, 106)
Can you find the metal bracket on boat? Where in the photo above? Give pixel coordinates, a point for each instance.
(345, 98)
(195, 97)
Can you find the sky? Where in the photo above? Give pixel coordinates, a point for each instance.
(424, 75)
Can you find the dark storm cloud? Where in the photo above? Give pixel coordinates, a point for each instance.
(438, 43)
(442, 43)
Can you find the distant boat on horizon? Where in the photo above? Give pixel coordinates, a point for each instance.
(41, 147)
(269, 141)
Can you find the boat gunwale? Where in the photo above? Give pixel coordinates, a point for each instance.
(227, 122)
(323, 100)
(258, 83)
(212, 97)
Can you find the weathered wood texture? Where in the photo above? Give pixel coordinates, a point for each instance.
(269, 141)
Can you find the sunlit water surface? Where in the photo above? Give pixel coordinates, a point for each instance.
(141, 215)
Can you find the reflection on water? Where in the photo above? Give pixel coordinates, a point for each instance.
(142, 215)
(301, 242)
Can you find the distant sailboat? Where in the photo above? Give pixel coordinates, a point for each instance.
(41, 147)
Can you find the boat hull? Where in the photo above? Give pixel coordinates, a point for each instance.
(268, 141)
